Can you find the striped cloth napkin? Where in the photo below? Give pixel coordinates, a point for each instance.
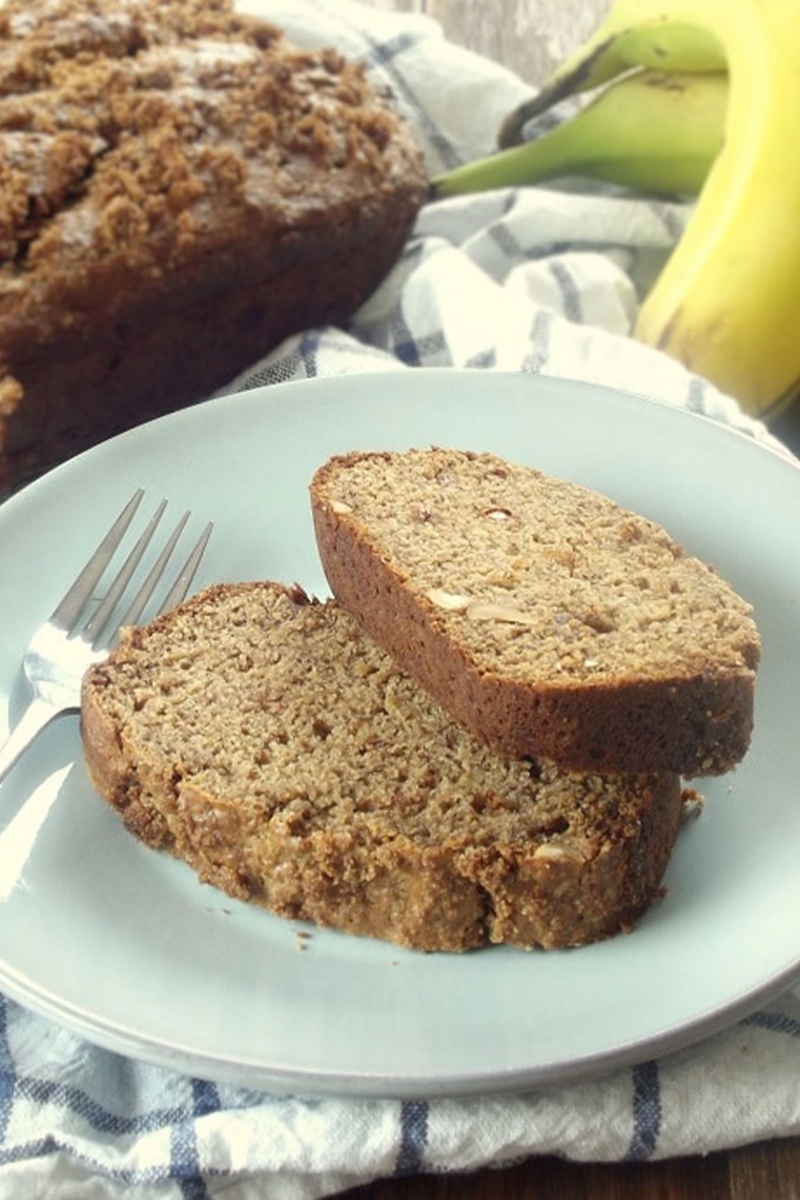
(542, 281)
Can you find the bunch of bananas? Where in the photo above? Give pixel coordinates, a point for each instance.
(699, 96)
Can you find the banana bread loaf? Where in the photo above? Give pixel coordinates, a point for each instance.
(548, 620)
(268, 742)
(179, 190)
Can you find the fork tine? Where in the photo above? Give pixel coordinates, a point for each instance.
(187, 573)
(97, 622)
(182, 581)
(67, 612)
(144, 593)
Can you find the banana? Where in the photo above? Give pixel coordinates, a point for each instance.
(726, 303)
(652, 131)
(727, 300)
(624, 41)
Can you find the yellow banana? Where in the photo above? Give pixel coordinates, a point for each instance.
(650, 130)
(727, 302)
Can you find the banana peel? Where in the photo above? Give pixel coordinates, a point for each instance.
(620, 44)
(652, 130)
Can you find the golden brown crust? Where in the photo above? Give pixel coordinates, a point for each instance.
(569, 629)
(179, 190)
(263, 739)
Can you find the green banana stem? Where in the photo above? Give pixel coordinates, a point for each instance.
(650, 131)
(615, 48)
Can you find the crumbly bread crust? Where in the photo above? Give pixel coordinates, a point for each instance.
(180, 189)
(265, 740)
(548, 620)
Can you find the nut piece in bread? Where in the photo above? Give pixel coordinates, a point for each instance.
(268, 742)
(545, 618)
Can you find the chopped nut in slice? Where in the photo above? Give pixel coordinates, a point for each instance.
(487, 611)
(452, 601)
(558, 852)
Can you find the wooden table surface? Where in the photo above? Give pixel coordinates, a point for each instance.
(530, 36)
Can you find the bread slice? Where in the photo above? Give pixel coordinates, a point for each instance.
(548, 620)
(267, 741)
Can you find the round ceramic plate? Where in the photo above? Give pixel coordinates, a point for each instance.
(124, 945)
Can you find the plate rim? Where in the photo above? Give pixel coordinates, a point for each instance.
(190, 1060)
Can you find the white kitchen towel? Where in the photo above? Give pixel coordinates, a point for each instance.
(539, 280)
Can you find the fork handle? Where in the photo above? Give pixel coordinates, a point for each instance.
(31, 723)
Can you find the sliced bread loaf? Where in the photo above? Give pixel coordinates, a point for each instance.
(547, 619)
(180, 190)
(267, 741)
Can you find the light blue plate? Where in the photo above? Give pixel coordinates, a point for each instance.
(124, 946)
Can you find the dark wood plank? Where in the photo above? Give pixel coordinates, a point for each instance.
(552, 1179)
(765, 1171)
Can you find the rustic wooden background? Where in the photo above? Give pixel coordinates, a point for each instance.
(528, 36)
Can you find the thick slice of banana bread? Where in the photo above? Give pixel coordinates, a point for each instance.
(548, 620)
(268, 742)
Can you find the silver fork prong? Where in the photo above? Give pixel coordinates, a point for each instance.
(187, 573)
(144, 593)
(67, 612)
(99, 619)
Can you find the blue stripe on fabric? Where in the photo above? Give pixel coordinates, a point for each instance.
(570, 293)
(130, 1177)
(194, 1189)
(412, 351)
(775, 1022)
(43, 1092)
(384, 54)
(184, 1162)
(309, 345)
(185, 1166)
(506, 243)
(8, 1077)
(404, 345)
(484, 359)
(539, 352)
(646, 1112)
(413, 1137)
(206, 1097)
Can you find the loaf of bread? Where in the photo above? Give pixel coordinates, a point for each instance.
(268, 742)
(547, 619)
(179, 190)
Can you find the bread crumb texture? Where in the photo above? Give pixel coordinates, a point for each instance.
(263, 738)
(463, 563)
(164, 156)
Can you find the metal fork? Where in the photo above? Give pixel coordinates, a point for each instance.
(62, 649)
